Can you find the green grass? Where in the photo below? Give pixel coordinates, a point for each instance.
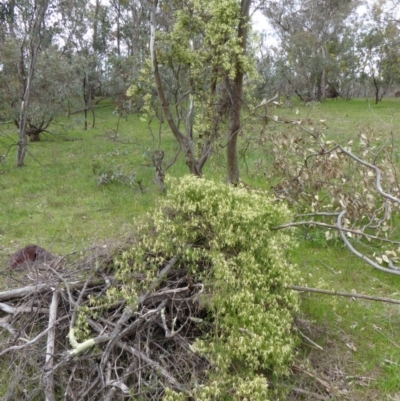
(55, 201)
(359, 337)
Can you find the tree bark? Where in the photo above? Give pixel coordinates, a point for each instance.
(236, 100)
(34, 45)
(185, 142)
(50, 349)
(323, 76)
(376, 85)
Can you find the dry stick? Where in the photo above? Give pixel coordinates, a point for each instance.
(78, 302)
(71, 300)
(22, 292)
(359, 254)
(49, 362)
(155, 365)
(4, 323)
(308, 393)
(327, 386)
(21, 309)
(28, 290)
(309, 339)
(67, 388)
(117, 332)
(28, 343)
(342, 294)
(388, 338)
(335, 227)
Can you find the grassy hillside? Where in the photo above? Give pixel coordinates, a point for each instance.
(83, 187)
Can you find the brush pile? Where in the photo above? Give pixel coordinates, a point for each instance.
(195, 307)
(132, 352)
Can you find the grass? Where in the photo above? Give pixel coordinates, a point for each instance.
(359, 337)
(56, 202)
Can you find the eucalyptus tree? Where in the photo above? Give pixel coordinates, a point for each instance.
(32, 15)
(36, 77)
(129, 48)
(87, 42)
(379, 49)
(310, 30)
(203, 51)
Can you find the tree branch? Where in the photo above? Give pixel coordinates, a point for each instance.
(342, 294)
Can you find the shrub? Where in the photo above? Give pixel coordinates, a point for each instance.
(223, 236)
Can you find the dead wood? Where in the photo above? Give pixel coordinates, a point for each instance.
(134, 350)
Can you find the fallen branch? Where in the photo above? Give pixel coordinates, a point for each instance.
(23, 292)
(327, 386)
(50, 349)
(334, 227)
(393, 269)
(372, 167)
(308, 393)
(343, 294)
(46, 287)
(33, 341)
(309, 339)
(12, 310)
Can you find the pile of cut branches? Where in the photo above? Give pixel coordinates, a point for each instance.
(133, 352)
(196, 307)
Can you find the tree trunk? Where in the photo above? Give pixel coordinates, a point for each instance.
(22, 140)
(233, 132)
(323, 77)
(236, 102)
(376, 90)
(185, 142)
(34, 45)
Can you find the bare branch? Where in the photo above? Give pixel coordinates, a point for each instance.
(343, 294)
(334, 227)
(394, 270)
(49, 381)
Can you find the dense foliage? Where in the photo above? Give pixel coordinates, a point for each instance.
(224, 240)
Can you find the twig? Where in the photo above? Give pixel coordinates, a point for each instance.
(42, 287)
(308, 339)
(4, 323)
(333, 271)
(395, 270)
(388, 338)
(335, 227)
(308, 393)
(155, 365)
(342, 294)
(324, 383)
(49, 379)
(34, 340)
(377, 173)
(22, 292)
(12, 310)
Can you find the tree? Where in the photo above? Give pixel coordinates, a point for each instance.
(309, 31)
(204, 51)
(37, 77)
(379, 49)
(53, 86)
(36, 15)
